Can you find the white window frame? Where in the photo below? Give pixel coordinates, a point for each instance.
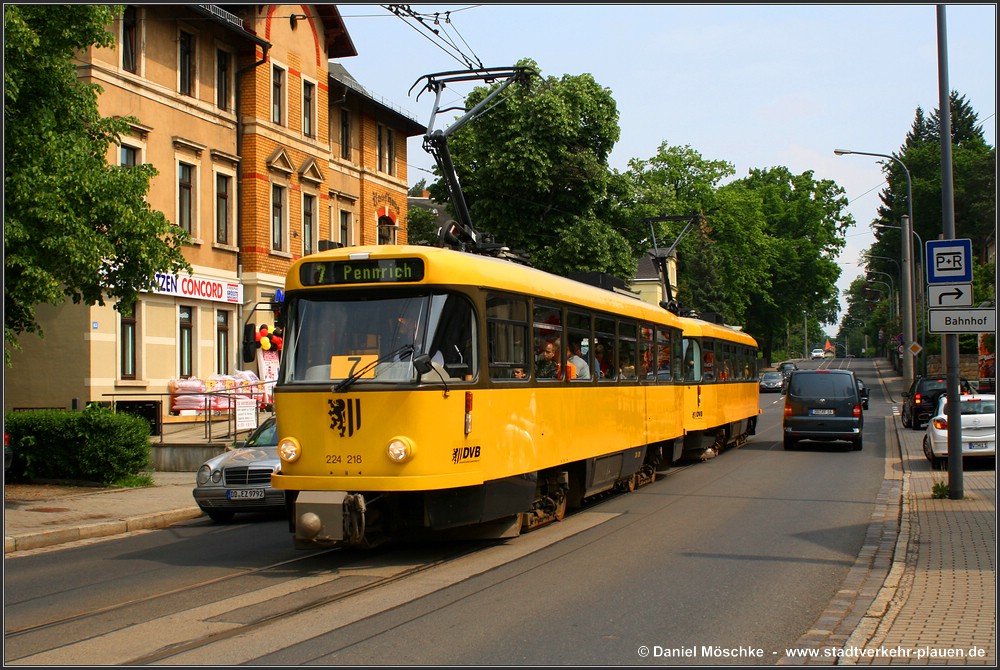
(231, 224)
(231, 90)
(313, 108)
(193, 164)
(283, 103)
(285, 205)
(140, 34)
(194, 61)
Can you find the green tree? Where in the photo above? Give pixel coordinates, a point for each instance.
(74, 226)
(534, 171)
(417, 190)
(974, 191)
(720, 259)
(806, 221)
(421, 226)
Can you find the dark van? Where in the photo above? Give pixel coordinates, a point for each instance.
(822, 405)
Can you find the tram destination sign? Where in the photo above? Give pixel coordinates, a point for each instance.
(979, 320)
(381, 271)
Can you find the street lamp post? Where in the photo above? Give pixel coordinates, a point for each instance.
(919, 282)
(892, 286)
(909, 322)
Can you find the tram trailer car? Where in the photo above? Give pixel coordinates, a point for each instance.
(413, 395)
(721, 409)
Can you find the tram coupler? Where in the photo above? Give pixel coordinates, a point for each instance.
(329, 517)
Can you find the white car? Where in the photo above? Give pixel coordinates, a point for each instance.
(979, 432)
(817, 353)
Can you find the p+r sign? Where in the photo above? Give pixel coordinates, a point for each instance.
(949, 261)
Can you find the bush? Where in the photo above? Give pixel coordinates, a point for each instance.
(95, 445)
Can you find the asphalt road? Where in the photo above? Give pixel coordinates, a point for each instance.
(724, 562)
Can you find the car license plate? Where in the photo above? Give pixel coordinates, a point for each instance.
(821, 412)
(245, 494)
(978, 445)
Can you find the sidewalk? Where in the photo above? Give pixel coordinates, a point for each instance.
(926, 574)
(938, 603)
(43, 523)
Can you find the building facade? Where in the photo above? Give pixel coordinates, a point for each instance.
(265, 149)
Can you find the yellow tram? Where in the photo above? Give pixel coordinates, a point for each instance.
(425, 389)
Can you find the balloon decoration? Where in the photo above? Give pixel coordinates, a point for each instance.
(267, 340)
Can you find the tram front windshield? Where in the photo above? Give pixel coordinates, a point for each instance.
(374, 339)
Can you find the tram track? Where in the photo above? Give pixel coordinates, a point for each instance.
(158, 627)
(132, 644)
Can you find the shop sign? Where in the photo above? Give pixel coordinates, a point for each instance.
(199, 288)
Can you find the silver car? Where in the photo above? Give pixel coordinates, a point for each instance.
(239, 481)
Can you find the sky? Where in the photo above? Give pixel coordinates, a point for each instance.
(758, 86)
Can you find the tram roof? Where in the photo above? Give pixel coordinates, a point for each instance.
(449, 267)
(699, 328)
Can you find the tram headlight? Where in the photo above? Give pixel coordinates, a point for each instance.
(401, 449)
(289, 449)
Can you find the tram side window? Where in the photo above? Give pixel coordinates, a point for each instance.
(692, 361)
(548, 342)
(604, 349)
(452, 334)
(647, 368)
(507, 337)
(663, 355)
(627, 351)
(677, 357)
(579, 344)
(708, 361)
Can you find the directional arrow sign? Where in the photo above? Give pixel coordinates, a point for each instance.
(979, 320)
(949, 295)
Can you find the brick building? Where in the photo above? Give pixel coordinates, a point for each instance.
(310, 156)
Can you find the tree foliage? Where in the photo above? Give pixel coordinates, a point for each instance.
(974, 194)
(74, 226)
(535, 168)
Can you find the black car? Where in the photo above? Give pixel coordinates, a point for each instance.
(822, 405)
(864, 392)
(786, 368)
(921, 398)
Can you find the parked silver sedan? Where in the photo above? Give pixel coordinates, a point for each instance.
(239, 480)
(979, 432)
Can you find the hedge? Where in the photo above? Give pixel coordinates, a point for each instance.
(95, 445)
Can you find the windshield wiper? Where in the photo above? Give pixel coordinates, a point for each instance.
(345, 383)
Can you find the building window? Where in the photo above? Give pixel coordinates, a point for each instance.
(390, 149)
(380, 148)
(222, 343)
(308, 223)
(130, 39)
(277, 217)
(308, 108)
(185, 342)
(128, 338)
(185, 65)
(185, 195)
(222, 79)
(345, 228)
(129, 156)
(386, 230)
(345, 134)
(277, 95)
(222, 183)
